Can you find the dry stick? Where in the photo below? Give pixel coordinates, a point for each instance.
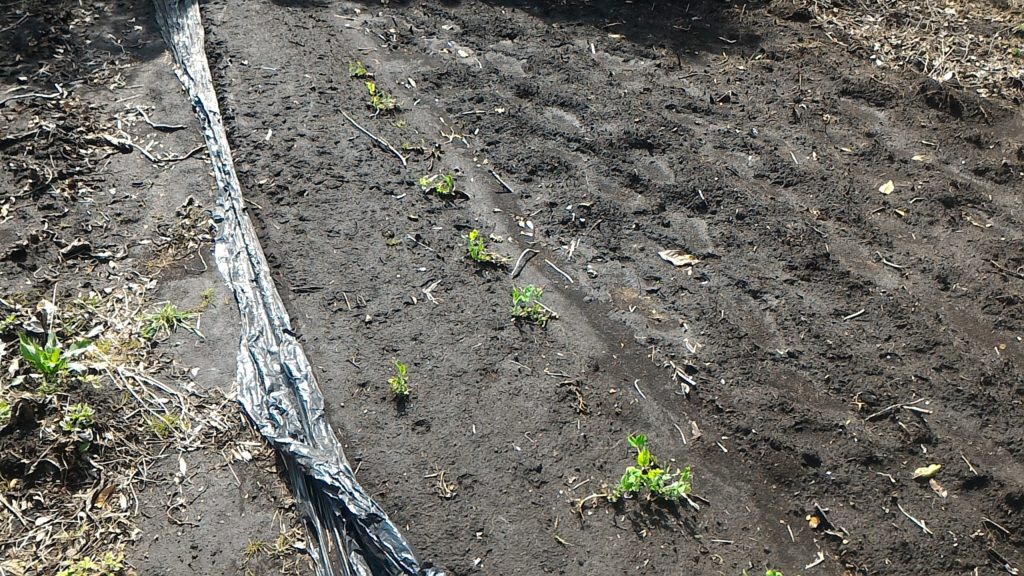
(517, 268)
(503, 183)
(58, 94)
(380, 141)
(681, 435)
(888, 263)
(908, 405)
(556, 269)
(636, 384)
(14, 511)
(854, 315)
(964, 458)
(160, 127)
(920, 523)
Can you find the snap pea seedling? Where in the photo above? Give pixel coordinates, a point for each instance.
(526, 305)
(399, 383)
(380, 100)
(650, 476)
(477, 249)
(441, 184)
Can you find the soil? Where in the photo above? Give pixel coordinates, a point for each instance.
(833, 337)
(736, 133)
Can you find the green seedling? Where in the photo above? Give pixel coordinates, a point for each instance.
(109, 564)
(166, 320)
(358, 70)
(167, 425)
(648, 476)
(380, 100)
(52, 361)
(478, 251)
(78, 418)
(441, 184)
(399, 383)
(7, 322)
(526, 305)
(773, 573)
(5, 413)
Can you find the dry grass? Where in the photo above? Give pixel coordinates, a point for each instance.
(975, 44)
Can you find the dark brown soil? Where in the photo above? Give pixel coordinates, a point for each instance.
(624, 129)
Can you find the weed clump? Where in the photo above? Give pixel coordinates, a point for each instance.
(78, 418)
(167, 320)
(52, 361)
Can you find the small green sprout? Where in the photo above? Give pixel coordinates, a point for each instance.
(357, 69)
(7, 322)
(526, 305)
(52, 361)
(109, 564)
(166, 320)
(5, 413)
(78, 418)
(649, 475)
(167, 425)
(380, 100)
(441, 184)
(478, 251)
(773, 573)
(399, 383)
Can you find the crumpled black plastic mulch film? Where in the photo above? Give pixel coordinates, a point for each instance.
(350, 533)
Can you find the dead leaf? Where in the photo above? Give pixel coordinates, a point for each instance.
(678, 257)
(101, 499)
(927, 471)
(813, 521)
(921, 158)
(937, 488)
(887, 188)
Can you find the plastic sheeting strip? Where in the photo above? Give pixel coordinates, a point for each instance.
(351, 535)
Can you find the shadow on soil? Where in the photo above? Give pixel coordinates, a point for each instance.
(679, 27)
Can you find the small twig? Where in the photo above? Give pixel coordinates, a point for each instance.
(908, 405)
(380, 141)
(681, 435)
(636, 384)
(556, 269)
(517, 268)
(964, 458)
(854, 315)
(160, 127)
(58, 94)
(919, 523)
(503, 183)
(888, 263)
(14, 511)
(995, 525)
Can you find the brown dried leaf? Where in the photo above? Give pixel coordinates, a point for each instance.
(937, 488)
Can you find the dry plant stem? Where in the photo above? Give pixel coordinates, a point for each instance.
(527, 254)
(920, 524)
(379, 141)
(557, 269)
(502, 182)
(160, 127)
